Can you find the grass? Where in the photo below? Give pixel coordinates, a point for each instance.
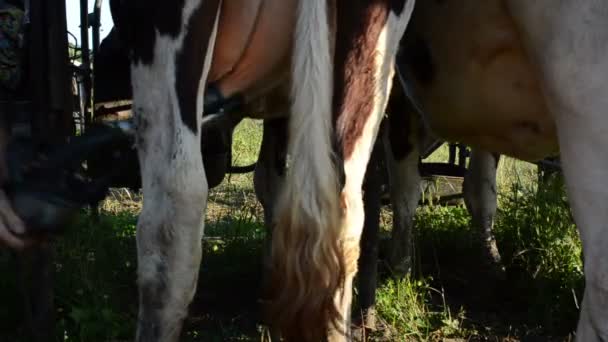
(446, 298)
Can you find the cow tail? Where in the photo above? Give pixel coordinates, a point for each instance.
(308, 264)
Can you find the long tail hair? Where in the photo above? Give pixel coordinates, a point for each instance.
(308, 265)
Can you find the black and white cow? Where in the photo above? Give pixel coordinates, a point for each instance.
(341, 68)
(511, 97)
(401, 155)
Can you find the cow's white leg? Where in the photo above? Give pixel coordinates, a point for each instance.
(569, 39)
(404, 181)
(168, 76)
(315, 251)
(480, 198)
(365, 314)
(357, 125)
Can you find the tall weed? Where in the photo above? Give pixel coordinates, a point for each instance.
(542, 250)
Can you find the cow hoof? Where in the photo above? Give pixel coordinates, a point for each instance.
(400, 266)
(493, 260)
(364, 325)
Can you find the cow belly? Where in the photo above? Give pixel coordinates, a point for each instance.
(236, 24)
(253, 44)
(481, 88)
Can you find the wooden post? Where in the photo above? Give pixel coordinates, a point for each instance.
(49, 73)
(49, 84)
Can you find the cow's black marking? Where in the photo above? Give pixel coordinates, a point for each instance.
(399, 111)
(496, 157)
(280, 127)
(190, 60)
(416, 54)
(397, 6)
(139, 20)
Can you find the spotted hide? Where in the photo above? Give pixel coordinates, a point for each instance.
(339, 56)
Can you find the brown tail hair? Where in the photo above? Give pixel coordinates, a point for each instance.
(308, 264)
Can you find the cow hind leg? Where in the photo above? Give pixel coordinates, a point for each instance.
(480, 198)
(362, 86)
(168, 100)
(268, 180)
(269, 176)
(269, 172)
(365, 316)
(402, 159)
(569, 40)
(315, 251)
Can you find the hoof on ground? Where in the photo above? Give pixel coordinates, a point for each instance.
(363, 325)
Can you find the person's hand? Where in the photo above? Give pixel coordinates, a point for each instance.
(12, 227)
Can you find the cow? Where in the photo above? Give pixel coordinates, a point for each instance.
(484, 79)
(342, 51)
(549, 54)
(398, 157)
(525, 79)
(402, 153)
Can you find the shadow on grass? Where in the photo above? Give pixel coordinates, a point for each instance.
(95, 282)
(447, 297)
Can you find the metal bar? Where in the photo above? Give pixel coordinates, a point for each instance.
(86, 59)
(463, 153)
(452, 154)
(59, 83)
(238, 170)
(38, 70)
(84, 31)
(96, 26)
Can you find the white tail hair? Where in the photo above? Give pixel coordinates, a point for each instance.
(308, 266)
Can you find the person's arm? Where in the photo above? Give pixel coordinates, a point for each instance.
(11, 226)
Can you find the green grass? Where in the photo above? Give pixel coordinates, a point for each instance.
(447, 297)
(406, 307)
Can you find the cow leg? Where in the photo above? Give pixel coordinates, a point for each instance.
(270, 168)
(268, 180)
(569, 40)
(402, 159)
(269, 175)
(168, 80)
(368, 261)
(315, 250)
(363, 84)
(480, 198)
